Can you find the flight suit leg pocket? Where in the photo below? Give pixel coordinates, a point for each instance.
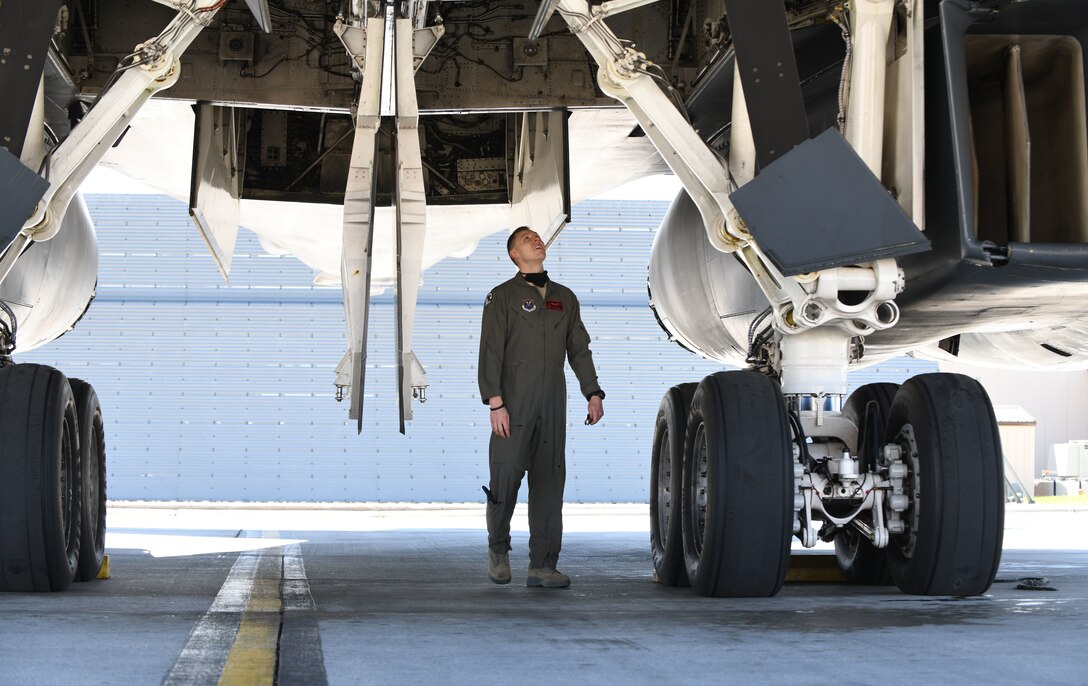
(512, 451)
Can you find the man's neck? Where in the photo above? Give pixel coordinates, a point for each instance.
(538, 279)
(532, 268)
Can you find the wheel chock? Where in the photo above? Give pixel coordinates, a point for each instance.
(810, 568)
(104, 572)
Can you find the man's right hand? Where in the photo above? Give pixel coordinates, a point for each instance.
(500, 423)
(500, 418)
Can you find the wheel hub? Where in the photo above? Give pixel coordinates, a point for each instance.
(912, 489)
(664, 479)
(92, 497)
(699, 490)
(67, 480)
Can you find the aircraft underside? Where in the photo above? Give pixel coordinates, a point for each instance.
(861, 180)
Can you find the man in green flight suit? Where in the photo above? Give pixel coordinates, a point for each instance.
(530, 325)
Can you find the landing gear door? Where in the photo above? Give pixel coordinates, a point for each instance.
(541, 179)
(260, 11)
(216, 181)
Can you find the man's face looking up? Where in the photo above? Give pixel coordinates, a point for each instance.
(527, 248)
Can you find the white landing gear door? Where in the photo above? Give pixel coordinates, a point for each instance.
(358, 241)
(216, 185)
(541, 198)
(411, 201)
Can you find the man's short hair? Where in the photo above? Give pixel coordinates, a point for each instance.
(510, 239)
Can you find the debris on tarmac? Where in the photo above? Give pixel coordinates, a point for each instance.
(1035, 583)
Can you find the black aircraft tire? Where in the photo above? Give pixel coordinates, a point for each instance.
(738, 487)
(40, 488)
(952, 545)
(92, 547)
(666, 472)
(859, 560)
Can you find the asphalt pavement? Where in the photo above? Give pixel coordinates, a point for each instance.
(356, 594)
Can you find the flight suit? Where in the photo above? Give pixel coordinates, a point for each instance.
(524, 340)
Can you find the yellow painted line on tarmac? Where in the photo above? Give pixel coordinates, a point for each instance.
(201, 661)
(252, 657)
(264, 599)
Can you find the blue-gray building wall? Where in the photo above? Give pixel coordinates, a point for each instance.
(216, 392)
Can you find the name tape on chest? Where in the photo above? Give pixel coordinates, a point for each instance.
(556, 305)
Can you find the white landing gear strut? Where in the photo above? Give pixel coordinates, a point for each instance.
(367, 42)
(858, 464)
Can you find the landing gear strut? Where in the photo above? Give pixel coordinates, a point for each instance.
(860, 561)
(52, 468)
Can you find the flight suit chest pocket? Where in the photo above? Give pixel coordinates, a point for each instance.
(530, 311)
(555, 312)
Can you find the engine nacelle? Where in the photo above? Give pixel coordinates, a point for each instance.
(53, 281)
(703, 298)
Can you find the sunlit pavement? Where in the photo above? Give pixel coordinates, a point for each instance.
(399, 594)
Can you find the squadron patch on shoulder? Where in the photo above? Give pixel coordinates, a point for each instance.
(488, 299)
(529, 305)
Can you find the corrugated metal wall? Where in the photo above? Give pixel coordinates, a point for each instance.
(212, 392)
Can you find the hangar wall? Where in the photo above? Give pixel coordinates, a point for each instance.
(216, 392)
(1057, 400)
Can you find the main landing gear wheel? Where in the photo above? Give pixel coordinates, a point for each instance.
(860, 561)
(92, 444)
(738, 487)
(40, 485)
(666, 471)
(945, 426)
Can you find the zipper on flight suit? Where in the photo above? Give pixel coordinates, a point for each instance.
(544, 352)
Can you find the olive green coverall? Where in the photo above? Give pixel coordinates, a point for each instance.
(523, 343)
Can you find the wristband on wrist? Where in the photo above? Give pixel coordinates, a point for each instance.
(498, 408)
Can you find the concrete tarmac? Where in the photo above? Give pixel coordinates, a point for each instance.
(399, 595)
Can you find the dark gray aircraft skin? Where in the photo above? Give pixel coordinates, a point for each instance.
(977, 277)
(978, 271)
(861, 180)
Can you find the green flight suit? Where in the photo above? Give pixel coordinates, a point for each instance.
(524, 341)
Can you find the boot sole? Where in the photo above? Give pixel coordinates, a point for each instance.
(498, 581)
(538, 583)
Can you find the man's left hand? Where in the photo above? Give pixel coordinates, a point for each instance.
(596, 410)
